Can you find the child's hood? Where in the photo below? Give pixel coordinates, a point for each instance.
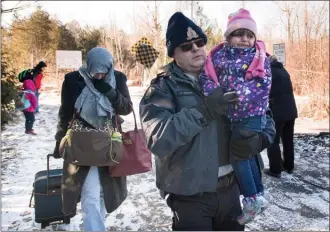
(29, 85)
(209, 68)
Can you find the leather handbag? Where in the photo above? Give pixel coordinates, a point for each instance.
(136, 158)
(86, 146)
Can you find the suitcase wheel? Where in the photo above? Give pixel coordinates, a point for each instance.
(66, 220)
(44, 225)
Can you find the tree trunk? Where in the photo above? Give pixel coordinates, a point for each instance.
(298, 30)
(120, 53)
(116, 43)
(306, 35)
(289, 26)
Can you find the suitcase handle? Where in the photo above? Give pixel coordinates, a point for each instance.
(32, 195)
(31, 205)
(49, 155)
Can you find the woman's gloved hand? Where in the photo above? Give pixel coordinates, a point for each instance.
(104, 88)
(101, 86)
(56, 152)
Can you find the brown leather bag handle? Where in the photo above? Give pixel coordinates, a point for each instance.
(135, 123)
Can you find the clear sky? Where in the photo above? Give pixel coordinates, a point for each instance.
(97, 13)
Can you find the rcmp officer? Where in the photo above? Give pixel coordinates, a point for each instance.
(189, 136)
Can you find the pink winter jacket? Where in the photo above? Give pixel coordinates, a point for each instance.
(29, 85)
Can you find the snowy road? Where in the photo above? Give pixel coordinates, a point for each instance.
(301, 200)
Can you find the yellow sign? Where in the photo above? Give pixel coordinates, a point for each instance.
(143, 40)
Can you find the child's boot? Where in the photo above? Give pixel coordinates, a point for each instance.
(265, 199)
(30, 132)
(251, 207)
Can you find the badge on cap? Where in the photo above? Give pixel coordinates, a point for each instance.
(191, 34)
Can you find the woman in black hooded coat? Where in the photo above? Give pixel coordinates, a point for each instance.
(283, 106)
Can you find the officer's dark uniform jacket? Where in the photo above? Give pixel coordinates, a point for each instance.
(185, 146)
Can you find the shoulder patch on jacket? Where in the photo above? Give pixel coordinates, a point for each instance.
(160, 76)
(163, 75)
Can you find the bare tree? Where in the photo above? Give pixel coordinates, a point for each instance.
(243, 4)
(289, 8)
(150, 27)
(185, 5)
(19, 6)
(182, 5)
(298, 28)
(113, 39)
(307, 27)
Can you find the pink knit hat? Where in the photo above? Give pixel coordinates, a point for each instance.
(240, 19)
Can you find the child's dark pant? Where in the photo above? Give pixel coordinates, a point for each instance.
(29, 120)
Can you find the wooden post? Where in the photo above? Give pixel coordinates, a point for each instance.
(57, 79)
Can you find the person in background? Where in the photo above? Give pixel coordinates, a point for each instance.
(29, 88)
(37, 77)
(283, 105)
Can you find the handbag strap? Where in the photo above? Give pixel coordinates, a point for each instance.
(135, 123)
(75, 114)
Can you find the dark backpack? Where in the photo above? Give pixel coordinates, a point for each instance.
(25, 75)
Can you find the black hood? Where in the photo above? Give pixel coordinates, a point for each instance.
(276, 64)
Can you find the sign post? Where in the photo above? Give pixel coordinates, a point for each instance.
(279, 52)
(66, 59)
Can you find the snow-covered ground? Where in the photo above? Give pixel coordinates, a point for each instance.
(301, 200)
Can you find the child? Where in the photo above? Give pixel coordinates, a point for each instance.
(30, 89)
(38, 71)
(241, 65)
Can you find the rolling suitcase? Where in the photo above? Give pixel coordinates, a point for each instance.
(48, 198)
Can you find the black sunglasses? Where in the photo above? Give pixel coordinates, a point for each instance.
(188, 46)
